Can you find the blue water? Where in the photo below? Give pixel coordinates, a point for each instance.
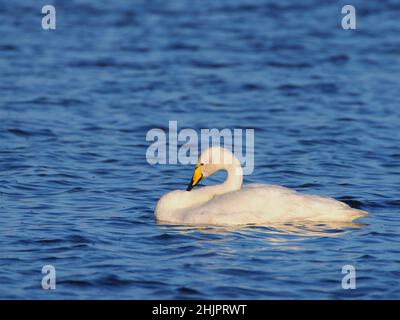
(76, 191)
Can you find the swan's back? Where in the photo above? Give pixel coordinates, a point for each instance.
(260, 204)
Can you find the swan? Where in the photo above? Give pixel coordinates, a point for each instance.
(230, 203)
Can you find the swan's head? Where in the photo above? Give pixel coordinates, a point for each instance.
(210, 161)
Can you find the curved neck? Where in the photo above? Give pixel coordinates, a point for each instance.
(233, 180)
(199, 196)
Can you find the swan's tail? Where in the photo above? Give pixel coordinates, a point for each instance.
(356, 213)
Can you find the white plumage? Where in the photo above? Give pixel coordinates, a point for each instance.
(230, 203)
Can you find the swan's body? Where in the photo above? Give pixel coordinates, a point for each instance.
(231, 204)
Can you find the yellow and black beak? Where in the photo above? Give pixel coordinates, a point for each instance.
(197, 176)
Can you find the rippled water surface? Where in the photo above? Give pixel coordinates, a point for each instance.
(76, 103)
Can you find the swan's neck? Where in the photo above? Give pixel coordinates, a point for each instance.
(172, 205)
(233, 180)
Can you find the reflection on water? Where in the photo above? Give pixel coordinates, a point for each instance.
(303, 229)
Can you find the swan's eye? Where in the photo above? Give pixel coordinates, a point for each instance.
(202, 164)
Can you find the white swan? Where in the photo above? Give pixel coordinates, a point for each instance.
(230, 203)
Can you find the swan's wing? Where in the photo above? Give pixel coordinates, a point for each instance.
(267, 203)
(249, 204)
